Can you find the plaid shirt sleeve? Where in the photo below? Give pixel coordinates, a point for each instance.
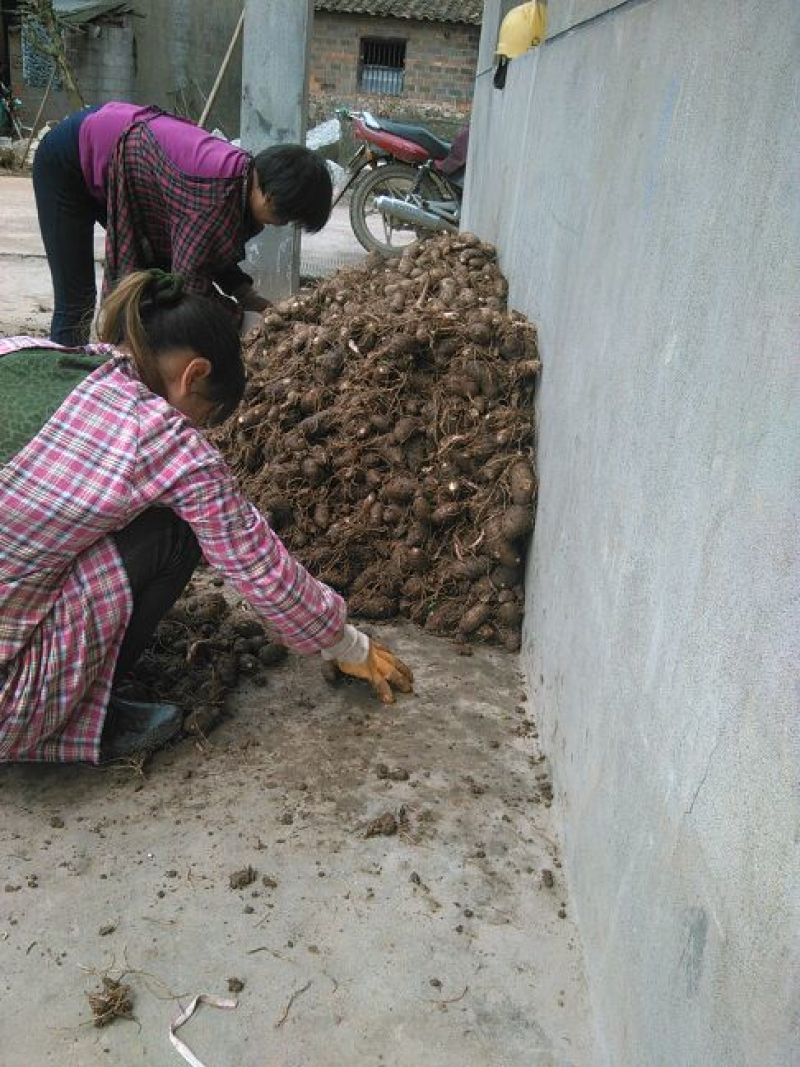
(209, 230)
(202, 240)
(177, 467)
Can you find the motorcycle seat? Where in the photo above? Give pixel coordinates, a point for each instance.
(419, 135)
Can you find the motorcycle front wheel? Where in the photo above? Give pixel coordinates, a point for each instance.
(373, 230)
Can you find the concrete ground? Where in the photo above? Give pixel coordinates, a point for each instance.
(442, 944)
(25, 279)
(449, 943)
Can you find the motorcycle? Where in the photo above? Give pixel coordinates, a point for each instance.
(412, 185)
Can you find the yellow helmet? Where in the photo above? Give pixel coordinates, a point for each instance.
(523, 27)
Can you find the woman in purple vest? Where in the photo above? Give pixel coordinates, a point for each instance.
(170, 195)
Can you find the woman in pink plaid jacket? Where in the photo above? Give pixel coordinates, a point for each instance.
(109, 494)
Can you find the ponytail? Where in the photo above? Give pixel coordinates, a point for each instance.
(151, 313)
(120, 322)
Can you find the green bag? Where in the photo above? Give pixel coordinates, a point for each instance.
(34, 382)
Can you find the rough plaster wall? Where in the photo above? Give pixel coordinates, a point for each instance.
(103, 60)
(639, 176)
(180, 46)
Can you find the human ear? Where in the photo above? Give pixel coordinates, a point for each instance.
(196, 370)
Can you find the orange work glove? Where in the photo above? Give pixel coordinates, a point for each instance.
(383, 670)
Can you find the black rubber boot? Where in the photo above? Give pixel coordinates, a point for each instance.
(133, 728)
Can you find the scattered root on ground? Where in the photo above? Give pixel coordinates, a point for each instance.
(387, 824)
(200, 651)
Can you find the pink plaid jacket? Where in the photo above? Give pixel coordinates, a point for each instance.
(112, 450)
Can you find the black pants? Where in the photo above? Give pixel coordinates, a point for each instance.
(159, 552)
(67, 214)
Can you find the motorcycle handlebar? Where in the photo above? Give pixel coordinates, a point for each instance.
(345, 114)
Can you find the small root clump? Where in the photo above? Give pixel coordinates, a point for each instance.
(113, 1000)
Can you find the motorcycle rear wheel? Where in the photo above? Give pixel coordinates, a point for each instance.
(375, 232)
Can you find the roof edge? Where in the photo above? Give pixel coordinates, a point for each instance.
(341, 7)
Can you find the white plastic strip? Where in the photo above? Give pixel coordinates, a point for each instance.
(186, 1014)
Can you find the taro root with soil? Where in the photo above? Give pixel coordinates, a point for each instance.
(199, 653)
(387, 433)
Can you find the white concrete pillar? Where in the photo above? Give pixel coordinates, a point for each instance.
(276, 42)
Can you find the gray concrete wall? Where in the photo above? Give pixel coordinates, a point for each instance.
(180, 46)
(274, 112)
(639, 176)
(104, 60)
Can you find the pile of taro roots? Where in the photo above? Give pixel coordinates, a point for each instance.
(387, 434)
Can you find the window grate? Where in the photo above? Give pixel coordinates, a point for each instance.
(382, 66)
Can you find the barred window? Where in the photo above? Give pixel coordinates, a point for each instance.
(382, 65)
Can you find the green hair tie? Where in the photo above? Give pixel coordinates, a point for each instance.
(164, 289)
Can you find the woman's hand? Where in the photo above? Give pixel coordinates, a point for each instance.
(251, 300)
(383, 670)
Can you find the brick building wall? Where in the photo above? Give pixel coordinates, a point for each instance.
(440, 63)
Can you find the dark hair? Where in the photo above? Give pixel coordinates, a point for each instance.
(299, 183)
(151, 312)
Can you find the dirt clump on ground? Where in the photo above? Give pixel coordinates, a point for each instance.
(383, 826)
(392, 774)
(243, 878)
(387, 824)
(387, 433)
